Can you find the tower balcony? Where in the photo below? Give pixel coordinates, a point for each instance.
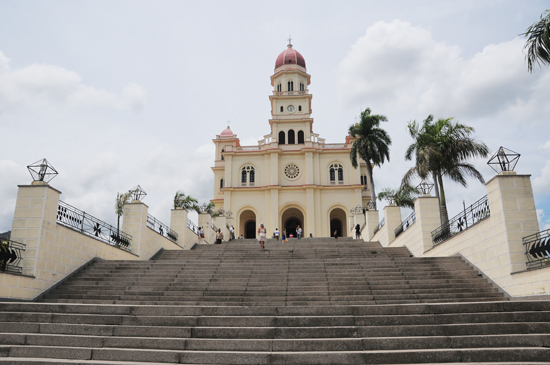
(290, 93)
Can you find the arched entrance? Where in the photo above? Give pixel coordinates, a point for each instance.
(250, 229)
(247, 224)
(338, 222)
(291, 219)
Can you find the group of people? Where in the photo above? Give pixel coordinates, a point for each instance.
(219, 235)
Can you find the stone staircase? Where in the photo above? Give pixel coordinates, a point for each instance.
(314, 301)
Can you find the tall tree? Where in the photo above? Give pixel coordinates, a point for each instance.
(121, 200)
(537, 46)
(441, 149)
(372, 144)
(186, 202)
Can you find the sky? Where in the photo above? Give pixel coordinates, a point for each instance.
(116, 94)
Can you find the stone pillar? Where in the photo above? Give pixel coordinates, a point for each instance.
(205, 222)
(274, 223)
(392, 218)
(227, 181)
(310, 213)
(511, 198)
(178, 223)
(426, 208)
(34, 223)
(372, 219)
(134, 222)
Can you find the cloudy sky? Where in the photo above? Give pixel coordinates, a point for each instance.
(120, 93)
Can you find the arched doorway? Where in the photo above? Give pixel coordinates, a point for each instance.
(291, 219)
(250, 229)
(247, 224)
(338, 223)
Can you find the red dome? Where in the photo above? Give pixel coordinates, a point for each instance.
(289, 57)
(227, 132)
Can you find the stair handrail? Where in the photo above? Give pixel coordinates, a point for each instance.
(74, 218)
(471, 215)
(10, 256)
(405, 224)
(537, 249)
(161, 228)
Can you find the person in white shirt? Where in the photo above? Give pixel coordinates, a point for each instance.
(276, 234)
(299, 232)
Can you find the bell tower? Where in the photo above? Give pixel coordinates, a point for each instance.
(291, 121)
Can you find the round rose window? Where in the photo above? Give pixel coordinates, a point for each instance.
(292, 171)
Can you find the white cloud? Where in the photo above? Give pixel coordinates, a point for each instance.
(39, 86)
(397, 65)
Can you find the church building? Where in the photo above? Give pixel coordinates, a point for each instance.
(292, 177)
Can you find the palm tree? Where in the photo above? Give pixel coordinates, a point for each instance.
(372, 144)
(441, 149)
(121, 200)
(404, 196)
(205, 208)
(537, 45)
(186, 202)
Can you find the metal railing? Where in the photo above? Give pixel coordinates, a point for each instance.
(10, 256)
(461, 222)
(371, 205)
(380, 225)
(72, 217)
(213, 226)
(161, 228)
(405, 224)
(192, 226)
(537, 249)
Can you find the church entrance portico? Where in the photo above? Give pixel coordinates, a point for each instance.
(338, 223)
(291, 219)
(247, 224)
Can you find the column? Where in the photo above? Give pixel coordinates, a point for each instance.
(34, 222)
(372, 220)
(392, 217)
(511, 197)
(428, 216)
(134, 222)
(310, 213)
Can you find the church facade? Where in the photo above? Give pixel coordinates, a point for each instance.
(292, 177)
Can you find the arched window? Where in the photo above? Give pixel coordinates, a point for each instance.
(302, 86)
(336, 171)
(299, 108)
(300, 136)
(291, 137)
(364, 180)
(221, 184)
(282, 109)
(281, 137)
(279, 88)
(248, 176)
(223, 150)
(291, 86)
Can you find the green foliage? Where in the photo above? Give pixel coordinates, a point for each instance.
(404, 196)
(372, 143)
(186, 202)
(206, 208)
(537, 45)
(121, 200)
(440, 149)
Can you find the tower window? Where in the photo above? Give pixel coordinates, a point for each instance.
(336, 171)
(282, 109)
(221, 184)
(248, 176)
(291, 137)
(223, 150)
(302, 86)
(299, 108)
(281, 137)
(279, 88)
(300, 137)
(364, 180)
(291, 86)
